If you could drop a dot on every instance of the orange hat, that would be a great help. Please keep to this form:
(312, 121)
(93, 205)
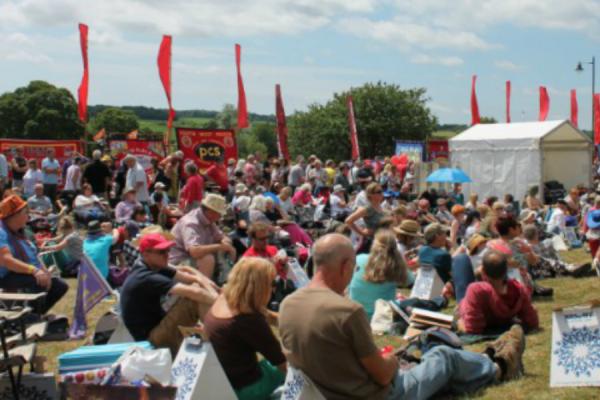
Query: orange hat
(11, 205)
(457, 209)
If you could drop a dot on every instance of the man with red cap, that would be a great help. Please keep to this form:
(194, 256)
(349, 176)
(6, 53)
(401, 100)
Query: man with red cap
(20, 269)
(150, 280)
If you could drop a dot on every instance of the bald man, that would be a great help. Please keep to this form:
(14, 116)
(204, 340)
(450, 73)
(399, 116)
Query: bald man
(328, 337)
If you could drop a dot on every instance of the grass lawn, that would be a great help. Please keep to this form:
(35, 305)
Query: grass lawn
(534, 385)
(161, 126)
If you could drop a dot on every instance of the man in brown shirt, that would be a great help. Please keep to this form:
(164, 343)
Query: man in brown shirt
(328, 337)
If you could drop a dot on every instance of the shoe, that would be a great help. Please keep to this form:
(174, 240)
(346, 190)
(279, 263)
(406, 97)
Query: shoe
(507, 352)
(596, 266)
(540, 291)
(577, 271)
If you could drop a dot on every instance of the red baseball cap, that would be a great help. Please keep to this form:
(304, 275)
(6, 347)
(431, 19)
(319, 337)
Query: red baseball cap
(154, 241)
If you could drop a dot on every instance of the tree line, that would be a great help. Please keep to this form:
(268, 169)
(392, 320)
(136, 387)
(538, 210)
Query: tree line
(384, 113)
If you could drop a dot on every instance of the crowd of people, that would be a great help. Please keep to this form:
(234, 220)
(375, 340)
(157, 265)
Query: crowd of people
(214, 247)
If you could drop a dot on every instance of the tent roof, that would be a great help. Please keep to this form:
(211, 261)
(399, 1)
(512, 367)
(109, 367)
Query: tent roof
(514, 131)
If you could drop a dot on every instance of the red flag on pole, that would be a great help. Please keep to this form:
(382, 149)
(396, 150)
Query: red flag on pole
(164, 72)
(544, 103)
(353, 133)
(242, 108)
(474, 107)
(282, 131)
(82, 92)
(596, 119)
(574, 109)
(507, 102)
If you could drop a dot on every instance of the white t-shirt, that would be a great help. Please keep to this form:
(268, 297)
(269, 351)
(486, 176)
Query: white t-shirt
(137, 175)
(82, 201)
(361, 200)
(72, 171)
(30, 178)
(336, 209)
(557, 220)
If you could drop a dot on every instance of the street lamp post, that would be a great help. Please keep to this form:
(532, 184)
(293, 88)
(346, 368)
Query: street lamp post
(579, 68)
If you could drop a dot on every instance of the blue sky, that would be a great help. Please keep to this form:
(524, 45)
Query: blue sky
(313, 48)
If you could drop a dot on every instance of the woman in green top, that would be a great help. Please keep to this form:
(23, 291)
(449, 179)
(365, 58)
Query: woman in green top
(378, 274)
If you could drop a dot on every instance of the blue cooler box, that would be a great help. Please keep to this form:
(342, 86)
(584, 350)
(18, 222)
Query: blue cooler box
(92, 357)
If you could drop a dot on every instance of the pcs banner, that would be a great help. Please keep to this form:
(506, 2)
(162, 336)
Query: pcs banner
(207, 146)
(144, 150)
(63, 149)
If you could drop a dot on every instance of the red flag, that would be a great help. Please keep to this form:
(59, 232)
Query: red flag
(101, 134)
(353, 133)
(574, 109)
(164, 71)
(82, 92)
(282, 131)
(242, 108)
(474, 107)
(507, 102)
(596, 118)
(544, 103)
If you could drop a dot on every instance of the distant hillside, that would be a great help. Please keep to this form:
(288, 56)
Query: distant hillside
(160, 114)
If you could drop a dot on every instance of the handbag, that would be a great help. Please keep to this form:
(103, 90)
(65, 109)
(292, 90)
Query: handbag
(117, 276)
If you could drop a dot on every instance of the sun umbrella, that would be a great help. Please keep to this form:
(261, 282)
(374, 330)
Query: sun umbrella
(448, 175)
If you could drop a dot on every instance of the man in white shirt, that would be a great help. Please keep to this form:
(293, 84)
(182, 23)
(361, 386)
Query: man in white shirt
(558, 220)
(339, 208)
(136, 178)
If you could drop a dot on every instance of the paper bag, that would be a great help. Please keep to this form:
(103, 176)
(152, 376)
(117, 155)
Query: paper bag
(575, 358)
(427, 284)
(198, 374)
(298, 386)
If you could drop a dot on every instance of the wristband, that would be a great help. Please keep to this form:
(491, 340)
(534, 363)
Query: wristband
(32, 269)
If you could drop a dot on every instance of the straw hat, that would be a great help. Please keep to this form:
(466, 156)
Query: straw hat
(11, 205)
(475, 241)
(215, 203)
(149, 230)
(408, 227)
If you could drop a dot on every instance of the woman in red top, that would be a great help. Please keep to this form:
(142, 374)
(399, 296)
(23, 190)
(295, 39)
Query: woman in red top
(191, 194)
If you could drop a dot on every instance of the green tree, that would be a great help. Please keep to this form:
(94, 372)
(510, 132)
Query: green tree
(383, 112)
(227, 117)
(487, 120)
(116, 120)
(39, 111)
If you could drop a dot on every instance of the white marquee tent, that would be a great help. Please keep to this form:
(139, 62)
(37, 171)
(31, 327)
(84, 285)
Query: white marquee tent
(511, 158)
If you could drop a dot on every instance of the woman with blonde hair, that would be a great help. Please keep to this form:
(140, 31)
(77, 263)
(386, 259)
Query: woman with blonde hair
(379, 273)
(237, 327)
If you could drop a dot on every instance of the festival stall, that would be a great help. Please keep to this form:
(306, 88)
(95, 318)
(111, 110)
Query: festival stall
(511, 158)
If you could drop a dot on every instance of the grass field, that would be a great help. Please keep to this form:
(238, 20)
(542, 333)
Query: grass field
(534, 385)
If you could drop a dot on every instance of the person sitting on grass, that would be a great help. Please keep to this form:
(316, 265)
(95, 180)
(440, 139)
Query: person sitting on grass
(496, 302)
(237, 325)
(151, 279)
(70, 242)
(100, 237)
(20, 269)
(124, 209)
(327, 336)
(378, 273)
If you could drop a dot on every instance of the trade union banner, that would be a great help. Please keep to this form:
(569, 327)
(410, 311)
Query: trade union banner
(37, 149)
(144, 150)
(207, 146)
(437, 149)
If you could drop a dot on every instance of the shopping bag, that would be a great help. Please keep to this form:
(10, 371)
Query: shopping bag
(575, 357)
(427, 284)
(298, 386)
(198, 374)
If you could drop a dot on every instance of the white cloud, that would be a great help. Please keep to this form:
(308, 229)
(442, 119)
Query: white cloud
(26, 56)
(446, 61)
(507, 65)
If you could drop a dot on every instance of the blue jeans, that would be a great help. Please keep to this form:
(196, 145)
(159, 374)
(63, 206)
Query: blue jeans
(444, 368)
(462, 275)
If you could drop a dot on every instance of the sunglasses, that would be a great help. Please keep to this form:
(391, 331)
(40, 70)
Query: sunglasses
(378, 192)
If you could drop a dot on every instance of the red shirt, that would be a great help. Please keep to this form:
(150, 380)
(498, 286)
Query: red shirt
(218, 174)
(193, 189)
(484, 308)
(269, 253)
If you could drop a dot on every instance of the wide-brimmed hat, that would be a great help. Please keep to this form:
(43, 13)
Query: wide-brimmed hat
(432, 230)
(475, 241)
(593, 219)
(215, 203)
(240, 188)
(338, 188)
(11, 205)
(409, 227)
